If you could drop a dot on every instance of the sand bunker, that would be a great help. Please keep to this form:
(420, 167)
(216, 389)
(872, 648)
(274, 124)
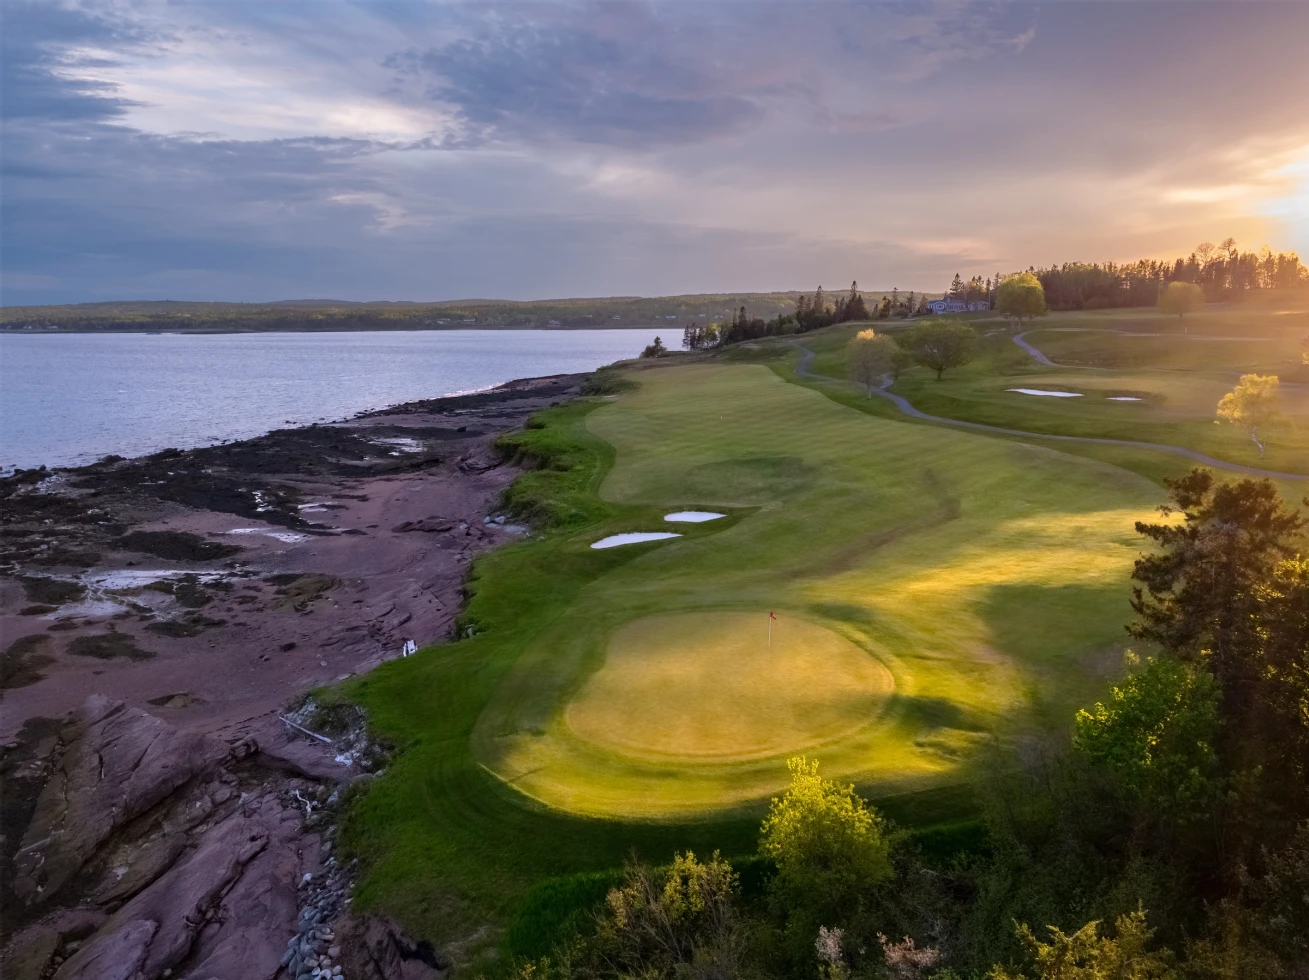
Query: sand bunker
(633, 537)
(1050, 394)
(692, 516)
(709, 687)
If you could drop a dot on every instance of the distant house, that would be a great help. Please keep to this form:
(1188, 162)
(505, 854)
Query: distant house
(948, 305)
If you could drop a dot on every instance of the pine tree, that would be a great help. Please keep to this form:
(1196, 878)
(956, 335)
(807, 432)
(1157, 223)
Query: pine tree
(820, 305)
(957, 287)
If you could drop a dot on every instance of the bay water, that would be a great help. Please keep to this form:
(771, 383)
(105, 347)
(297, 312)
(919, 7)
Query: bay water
(68, 399)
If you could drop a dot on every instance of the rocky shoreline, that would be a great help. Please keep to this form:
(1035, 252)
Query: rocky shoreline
(163, 814)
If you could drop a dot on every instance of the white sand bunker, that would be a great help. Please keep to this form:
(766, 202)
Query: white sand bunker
(633, 537)
(1049, 394)
(1122, 398)
(692, 516)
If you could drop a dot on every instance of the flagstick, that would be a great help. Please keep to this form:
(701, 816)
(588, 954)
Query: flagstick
(770, 629)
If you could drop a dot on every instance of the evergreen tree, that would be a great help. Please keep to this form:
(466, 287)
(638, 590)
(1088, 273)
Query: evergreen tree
(855, 307)
(957, 289)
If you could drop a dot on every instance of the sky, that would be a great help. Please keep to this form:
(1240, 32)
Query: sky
(257, 151)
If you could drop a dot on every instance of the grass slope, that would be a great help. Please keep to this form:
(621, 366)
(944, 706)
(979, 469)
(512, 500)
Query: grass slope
(1179, 378)
(986, 577)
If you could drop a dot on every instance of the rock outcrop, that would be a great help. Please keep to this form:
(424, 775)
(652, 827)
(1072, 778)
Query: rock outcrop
(114, 764)
(143, 851)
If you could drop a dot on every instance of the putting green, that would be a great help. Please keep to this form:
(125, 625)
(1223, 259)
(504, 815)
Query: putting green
(711, 686)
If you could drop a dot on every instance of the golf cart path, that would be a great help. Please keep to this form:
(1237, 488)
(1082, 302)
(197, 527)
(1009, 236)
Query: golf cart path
(807, 357)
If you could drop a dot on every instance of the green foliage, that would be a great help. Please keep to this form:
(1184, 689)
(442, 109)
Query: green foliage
(680, 921)
(557, 910)
(1020, 297)
(826, 841)
(655, 349)
(1181, 298)
(1156, 735)
(1086, 955)
(1200, 590)
(1253, 402)
(871, 357)
(940, 344)
(552, 493)
(607, 381)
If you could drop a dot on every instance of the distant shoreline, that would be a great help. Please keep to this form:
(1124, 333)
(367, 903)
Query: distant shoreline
(6, 329)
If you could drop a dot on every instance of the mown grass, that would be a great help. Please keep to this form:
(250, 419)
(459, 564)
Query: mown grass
(1180, 378)
(988, 577)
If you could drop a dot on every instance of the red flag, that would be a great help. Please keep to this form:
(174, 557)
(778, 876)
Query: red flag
(772, 615)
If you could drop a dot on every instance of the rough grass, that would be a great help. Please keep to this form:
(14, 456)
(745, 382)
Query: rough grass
(987, 577)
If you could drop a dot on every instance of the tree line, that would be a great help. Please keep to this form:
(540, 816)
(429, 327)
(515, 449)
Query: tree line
(1166, 837)
(812, 312)
(1223, 272)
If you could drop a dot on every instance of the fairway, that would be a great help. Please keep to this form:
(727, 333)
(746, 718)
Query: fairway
(1178, 370)
(719, 687)
(934, 590)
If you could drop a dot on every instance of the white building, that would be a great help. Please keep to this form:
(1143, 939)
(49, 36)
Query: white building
(948, 305)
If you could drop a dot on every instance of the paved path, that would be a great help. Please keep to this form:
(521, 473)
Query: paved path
(802, 368)
(1036, 354)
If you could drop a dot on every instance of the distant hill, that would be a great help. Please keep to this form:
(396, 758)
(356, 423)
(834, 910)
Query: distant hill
(327, 314)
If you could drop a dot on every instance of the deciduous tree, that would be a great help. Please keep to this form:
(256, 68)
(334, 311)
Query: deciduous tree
(1181, 298)
(1252, 403)
(827, 843)
(1155, 734)
(940, 344)
(1020, 297)
(870, 357)
(1086, 955)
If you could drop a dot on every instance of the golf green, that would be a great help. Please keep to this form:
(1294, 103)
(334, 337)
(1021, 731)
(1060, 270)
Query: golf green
(938, 590)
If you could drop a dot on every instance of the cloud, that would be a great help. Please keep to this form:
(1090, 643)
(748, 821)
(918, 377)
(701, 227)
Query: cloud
(43, 46)
(438, 150)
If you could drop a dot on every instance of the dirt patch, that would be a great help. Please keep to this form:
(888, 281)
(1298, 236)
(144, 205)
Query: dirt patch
(177, 546)
(108, 646)
(22, 660)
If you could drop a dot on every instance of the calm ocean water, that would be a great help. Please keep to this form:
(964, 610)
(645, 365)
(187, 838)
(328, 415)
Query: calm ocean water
(72, 398)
